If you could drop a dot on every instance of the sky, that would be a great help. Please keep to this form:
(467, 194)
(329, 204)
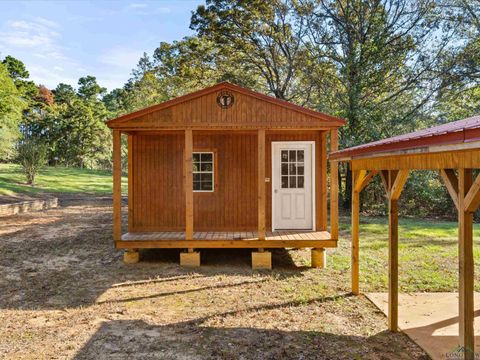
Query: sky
(61, 41)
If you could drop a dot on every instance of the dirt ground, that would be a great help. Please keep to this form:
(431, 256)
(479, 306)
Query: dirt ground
(66, 294)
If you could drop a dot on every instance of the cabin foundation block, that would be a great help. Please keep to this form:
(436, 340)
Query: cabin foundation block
(131, 256)
(190, 259)
(319, 258)
(261, 260)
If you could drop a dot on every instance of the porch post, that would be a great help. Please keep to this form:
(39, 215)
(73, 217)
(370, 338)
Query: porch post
(466, 268)
(396, 182)
(261, 184)
(355, 232)
(188, 184)
(334, 187)
(117, 185)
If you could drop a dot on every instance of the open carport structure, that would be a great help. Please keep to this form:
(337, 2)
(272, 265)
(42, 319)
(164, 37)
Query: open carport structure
(454, 150)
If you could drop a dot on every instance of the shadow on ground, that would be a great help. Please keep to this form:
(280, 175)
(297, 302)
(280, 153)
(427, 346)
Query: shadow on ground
(134, 339)
(65, 258)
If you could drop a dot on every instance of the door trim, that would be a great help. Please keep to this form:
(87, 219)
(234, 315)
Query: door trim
(313, 180)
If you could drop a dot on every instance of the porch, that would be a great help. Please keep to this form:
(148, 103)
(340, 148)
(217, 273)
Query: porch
(230, 239)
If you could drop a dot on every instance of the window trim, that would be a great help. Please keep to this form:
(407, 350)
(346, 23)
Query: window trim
(213, 172)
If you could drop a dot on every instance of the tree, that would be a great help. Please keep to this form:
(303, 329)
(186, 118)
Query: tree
(384, 55)
(89, 88)
(32, 156)
(64, 93)
(460, 96)
(264, 37)
(11, 106)
(19, 74)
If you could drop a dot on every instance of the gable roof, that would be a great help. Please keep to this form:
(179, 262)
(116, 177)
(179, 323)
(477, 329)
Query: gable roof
(129, 120)
(456, 132)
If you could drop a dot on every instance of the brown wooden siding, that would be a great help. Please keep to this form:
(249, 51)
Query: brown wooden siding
(246, 112)
(156, 181)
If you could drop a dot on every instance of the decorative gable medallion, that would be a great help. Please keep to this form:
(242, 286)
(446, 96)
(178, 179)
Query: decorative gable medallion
(225, 99)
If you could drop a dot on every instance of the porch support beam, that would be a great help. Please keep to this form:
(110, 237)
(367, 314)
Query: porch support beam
(472, 199)
(188, 184)
(357, 174)
(396, 181)
(334, 187)
(261, 184)
(117, 185)
(451, 183)
(466, 269)
(360, 180)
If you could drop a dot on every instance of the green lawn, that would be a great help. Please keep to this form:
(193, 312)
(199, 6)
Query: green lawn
(56, 179)
(428, 254)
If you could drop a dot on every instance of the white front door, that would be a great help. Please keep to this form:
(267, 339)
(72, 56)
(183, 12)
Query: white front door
(292, 185)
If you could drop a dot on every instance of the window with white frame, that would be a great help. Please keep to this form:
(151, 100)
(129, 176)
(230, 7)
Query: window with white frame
(203, 171)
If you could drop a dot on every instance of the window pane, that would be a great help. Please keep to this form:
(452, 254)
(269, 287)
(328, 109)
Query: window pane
(196, 157)
(284, 156)
(300, 154)
(300, 182)
(196, 185)
(206, 167)
(293, 169)
(300, 169)
(207, 157)
(284, 182)
(293, 155)
(293, 182)
(284, 169)
(196, 177)
(206, 186)
(196, 167)
(206, 178)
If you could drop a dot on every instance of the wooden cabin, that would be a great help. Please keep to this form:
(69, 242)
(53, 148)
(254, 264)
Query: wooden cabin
(226, 167)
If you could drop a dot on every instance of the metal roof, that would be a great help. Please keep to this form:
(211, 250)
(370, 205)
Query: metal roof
(456, 132)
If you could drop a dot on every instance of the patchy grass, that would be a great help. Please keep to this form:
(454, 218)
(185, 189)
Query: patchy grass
(428, 254)
(56, 180)
(65, 293)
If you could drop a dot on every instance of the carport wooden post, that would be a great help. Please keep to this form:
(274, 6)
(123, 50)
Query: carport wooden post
(360, 180)
(394, 181)
(334, 187)
(261, 183)
(188, 184)
(355, 232)
(466, 269)
(117, 185)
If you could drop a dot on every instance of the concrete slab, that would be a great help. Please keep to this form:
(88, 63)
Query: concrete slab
(431, 320)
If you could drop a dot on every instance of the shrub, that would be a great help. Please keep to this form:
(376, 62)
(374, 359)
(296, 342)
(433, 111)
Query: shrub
(32, 155)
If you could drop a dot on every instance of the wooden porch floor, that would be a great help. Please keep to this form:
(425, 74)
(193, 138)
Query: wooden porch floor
(227, 239)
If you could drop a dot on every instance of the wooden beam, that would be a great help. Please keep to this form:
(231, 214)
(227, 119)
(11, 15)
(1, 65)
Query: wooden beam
(394, 181)
(188, 184)
(451, 182)
(366, 180)
(392, 264)
(466, 265)
(356, 176)
(261, 184)
(472, 199)
(398, 184)
(117, 185)
(385, 180)
(130, 183)
(334, 186)
(322, 208)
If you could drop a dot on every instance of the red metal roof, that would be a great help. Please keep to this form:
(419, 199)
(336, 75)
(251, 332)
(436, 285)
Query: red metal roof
(461, 131)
